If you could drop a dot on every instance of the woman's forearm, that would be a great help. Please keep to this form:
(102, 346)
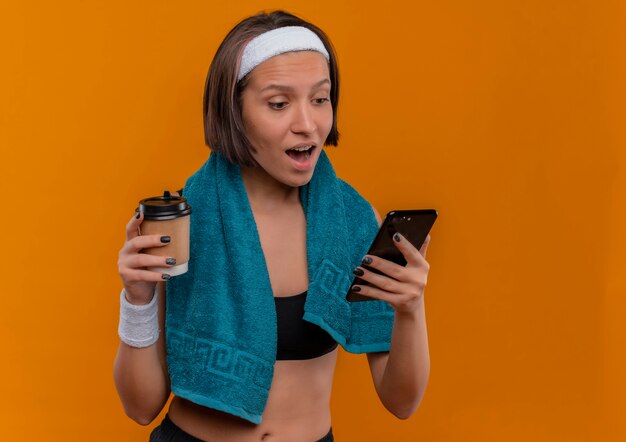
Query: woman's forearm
(140, 381)
(408, 367)
(140, 374)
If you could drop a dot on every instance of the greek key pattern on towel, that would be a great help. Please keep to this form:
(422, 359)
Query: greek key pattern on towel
(329, 278)
(221, 359)
(371, 309)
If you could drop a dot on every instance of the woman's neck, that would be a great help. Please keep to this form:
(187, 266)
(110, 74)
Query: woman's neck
(265, 193)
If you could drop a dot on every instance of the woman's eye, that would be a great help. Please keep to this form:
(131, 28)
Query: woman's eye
(321, 100)
(278, 105)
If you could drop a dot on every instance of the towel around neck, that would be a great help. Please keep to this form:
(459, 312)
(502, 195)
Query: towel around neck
(221, 318)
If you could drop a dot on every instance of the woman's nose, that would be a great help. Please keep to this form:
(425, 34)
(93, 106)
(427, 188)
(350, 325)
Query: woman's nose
(303, 119)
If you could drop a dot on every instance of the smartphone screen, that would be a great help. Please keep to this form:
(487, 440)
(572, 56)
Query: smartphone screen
(414, 225)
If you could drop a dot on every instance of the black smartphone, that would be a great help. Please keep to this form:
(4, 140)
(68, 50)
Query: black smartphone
(414, 225)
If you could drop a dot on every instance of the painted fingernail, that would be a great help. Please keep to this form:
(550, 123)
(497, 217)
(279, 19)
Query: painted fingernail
(165, 239)
(170, 261)
(358, 272)
(367, 260)
(165, 276)
(356, 288)
(397, 237)
(138, 215)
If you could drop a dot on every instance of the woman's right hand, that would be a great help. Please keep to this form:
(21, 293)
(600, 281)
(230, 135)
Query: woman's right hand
(139, 283)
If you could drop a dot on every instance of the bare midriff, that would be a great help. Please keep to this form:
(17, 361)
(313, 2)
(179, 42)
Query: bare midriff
(298, 407)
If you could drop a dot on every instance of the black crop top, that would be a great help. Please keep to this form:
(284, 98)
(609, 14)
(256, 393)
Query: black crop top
(297, 338)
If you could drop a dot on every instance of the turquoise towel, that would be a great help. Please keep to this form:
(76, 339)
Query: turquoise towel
(221, 316)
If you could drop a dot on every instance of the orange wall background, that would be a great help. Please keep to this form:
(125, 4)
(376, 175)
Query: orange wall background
(507, 117)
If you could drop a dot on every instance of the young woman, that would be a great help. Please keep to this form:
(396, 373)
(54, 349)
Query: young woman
(269, 217)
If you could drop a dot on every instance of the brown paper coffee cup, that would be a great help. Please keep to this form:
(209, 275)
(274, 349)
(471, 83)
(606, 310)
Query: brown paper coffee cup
(167, 215)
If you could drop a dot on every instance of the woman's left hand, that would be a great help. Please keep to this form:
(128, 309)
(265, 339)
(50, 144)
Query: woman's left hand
(402, 287)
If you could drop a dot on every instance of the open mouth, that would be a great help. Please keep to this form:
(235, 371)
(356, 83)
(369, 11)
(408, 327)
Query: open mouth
(300, 154)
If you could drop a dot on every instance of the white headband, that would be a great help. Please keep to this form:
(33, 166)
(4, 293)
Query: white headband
(279, 41)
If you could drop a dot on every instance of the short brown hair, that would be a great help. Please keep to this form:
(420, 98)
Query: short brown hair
(223, 123)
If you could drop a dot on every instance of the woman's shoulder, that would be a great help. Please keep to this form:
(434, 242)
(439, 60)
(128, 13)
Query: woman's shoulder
(352, 197)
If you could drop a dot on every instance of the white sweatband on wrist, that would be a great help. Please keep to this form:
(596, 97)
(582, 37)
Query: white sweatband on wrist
(139, 324)
(279, 41)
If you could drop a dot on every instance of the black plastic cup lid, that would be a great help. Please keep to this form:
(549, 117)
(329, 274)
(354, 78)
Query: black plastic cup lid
(164, 207)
